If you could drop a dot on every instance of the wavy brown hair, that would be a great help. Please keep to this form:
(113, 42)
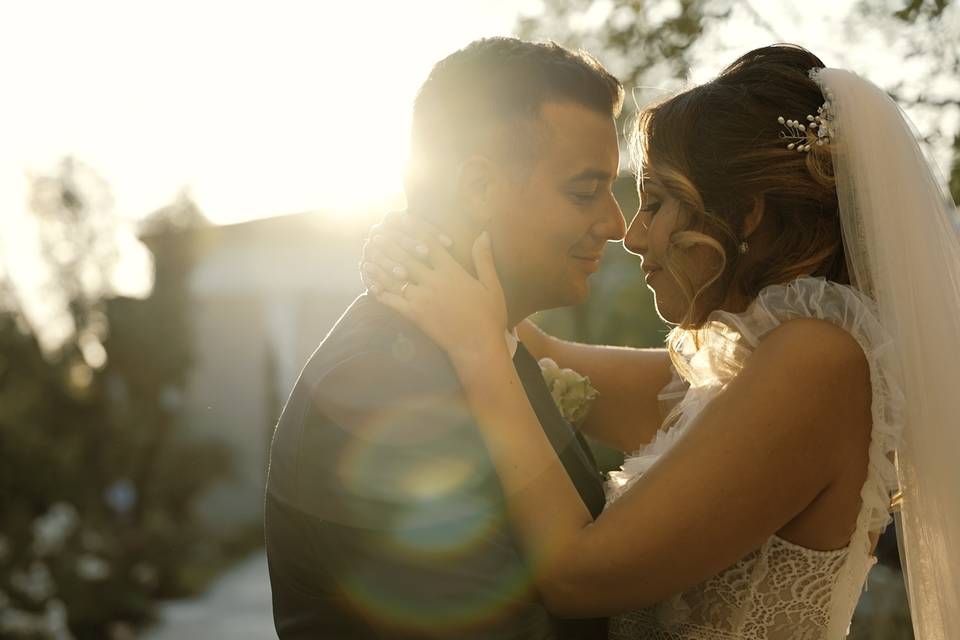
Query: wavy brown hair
(717, 148)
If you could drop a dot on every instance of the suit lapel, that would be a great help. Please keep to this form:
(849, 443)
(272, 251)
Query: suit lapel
(570, 445)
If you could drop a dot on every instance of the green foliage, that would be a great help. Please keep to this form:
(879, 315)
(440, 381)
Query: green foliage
(638, 40)
(97, 478)
(916, 8)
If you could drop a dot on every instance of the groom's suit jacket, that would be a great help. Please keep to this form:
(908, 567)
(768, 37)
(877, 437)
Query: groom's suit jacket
(384, 515)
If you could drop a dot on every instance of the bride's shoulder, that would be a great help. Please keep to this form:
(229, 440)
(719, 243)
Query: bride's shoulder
(811, 343)
(815, 362)
(811, 298)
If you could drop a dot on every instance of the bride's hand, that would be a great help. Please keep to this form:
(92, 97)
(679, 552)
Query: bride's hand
(377, 271)
(466, 316)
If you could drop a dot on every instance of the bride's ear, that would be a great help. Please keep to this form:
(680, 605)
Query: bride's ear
(754, 218)
(477, 182)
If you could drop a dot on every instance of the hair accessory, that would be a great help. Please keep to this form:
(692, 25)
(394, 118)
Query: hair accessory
(743, 248)
(799, 133)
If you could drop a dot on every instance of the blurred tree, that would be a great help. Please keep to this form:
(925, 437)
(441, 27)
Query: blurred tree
(96, 479)
(928, 31)
(640, 41)
(78, 236)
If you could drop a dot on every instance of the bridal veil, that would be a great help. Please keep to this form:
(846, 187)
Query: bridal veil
(902, 238)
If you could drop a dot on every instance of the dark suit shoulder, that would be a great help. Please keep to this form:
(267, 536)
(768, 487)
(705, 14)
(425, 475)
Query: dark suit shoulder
(377, 403)
(375, 342)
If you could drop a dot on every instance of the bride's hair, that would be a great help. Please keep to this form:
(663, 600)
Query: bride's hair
(717, 148)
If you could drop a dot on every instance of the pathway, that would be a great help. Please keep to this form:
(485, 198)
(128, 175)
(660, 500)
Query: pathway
(237, 606)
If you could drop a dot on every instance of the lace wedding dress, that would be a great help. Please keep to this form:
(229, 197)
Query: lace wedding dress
(781, 591)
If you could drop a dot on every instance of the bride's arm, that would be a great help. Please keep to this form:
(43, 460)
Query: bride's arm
(754, 459)
(767, 445)
(626, 414)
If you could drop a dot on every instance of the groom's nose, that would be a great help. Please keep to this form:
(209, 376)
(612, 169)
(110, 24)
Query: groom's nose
(611, 225)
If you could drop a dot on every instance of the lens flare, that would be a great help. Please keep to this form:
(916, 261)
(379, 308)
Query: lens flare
(443, 513)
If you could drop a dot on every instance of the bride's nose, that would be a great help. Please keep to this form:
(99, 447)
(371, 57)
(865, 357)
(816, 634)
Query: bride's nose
(635, 240)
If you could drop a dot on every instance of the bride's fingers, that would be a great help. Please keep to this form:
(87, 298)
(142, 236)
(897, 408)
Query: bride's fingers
(440, 256)
(377, 255)
(373, 252)
(421, 229)
(411, 230)
(409, 243)
(398, 303)
(400, 262)
(378, 279)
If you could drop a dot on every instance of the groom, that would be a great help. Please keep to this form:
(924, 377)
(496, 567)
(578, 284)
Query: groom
(384, 515)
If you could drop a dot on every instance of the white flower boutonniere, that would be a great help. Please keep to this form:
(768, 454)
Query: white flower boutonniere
(572, 392)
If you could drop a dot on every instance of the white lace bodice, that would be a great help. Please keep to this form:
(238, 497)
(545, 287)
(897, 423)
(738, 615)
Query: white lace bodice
(781, 591)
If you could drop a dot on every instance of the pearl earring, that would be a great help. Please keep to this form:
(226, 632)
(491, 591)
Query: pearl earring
(744, 247)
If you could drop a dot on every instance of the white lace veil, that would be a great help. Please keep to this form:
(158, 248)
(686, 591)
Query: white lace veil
(902, 239)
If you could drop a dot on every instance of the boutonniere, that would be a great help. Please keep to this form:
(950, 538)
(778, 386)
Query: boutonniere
(572, 392)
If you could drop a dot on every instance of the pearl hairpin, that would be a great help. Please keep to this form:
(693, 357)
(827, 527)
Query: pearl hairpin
(799, 132)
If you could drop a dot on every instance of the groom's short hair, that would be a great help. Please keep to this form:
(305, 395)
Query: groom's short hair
(487, 97)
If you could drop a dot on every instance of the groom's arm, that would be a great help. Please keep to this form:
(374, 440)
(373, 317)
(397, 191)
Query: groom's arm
(405, 497)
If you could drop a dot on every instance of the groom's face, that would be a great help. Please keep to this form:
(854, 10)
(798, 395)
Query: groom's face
(550, 228)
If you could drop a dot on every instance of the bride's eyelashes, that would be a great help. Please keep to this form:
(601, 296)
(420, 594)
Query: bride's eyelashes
(651, 207)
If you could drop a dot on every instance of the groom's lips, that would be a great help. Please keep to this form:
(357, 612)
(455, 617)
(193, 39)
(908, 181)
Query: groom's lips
(591, 262)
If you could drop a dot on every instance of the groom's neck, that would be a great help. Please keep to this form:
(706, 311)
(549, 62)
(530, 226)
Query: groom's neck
(519, 306)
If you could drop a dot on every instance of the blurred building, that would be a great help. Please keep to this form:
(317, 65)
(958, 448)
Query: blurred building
(260, 297)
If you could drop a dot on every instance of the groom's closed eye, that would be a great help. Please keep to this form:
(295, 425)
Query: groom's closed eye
(585, 196)
(586, 186)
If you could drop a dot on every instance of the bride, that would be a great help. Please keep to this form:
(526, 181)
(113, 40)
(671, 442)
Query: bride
(793, 233)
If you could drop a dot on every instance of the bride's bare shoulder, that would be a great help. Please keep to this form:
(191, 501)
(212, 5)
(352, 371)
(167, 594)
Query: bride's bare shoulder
(822, 358)
(806, 342)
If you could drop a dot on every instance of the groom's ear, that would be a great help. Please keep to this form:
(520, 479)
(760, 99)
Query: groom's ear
(477, 183)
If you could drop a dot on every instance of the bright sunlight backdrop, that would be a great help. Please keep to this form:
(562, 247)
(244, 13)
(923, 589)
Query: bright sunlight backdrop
(261, 108)
(264, 108)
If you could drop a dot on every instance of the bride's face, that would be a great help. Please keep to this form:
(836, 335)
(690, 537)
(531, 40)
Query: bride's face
(661, 214)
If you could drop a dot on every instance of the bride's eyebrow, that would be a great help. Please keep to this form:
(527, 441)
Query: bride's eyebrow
(650, 184)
